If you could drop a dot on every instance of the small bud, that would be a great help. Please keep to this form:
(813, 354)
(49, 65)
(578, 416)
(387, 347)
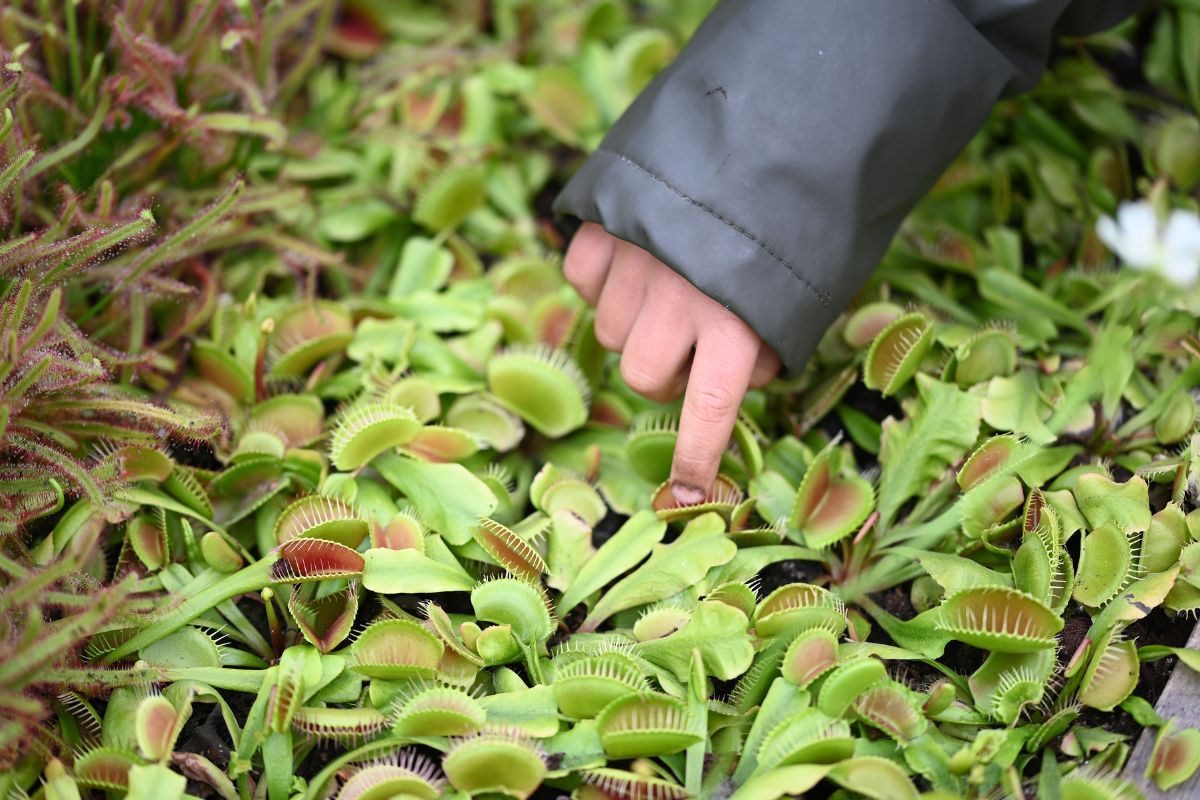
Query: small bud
(941, 695)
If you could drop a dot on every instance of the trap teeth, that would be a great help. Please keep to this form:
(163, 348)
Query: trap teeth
(545, 387)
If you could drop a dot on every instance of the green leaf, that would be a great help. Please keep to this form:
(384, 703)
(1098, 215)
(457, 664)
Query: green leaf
(424, 265)
(670, 569)
(1103, 501)
(155, 782)
(531, 711)
(751, 561)
(1186, 655)
(1135, 602)
(1015, 404)
(448, 497)
(411, 572)
(1114, 349)
(1140, 709)
(559, 101)
(717, 630)
(1013, 292)
(940, 425)
(864, 430)
(782, 782)
(254, 125)
(955, 572)
(632, 542)
(576, 748)
(1189, 53)
(921, 634)
(387, 340)
(447, 199)
(354, 222)
(774, 497)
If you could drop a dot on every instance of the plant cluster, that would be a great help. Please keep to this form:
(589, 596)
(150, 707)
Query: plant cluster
(314, 481)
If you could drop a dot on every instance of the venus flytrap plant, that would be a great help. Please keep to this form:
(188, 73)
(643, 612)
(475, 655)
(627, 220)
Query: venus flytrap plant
(296, 561)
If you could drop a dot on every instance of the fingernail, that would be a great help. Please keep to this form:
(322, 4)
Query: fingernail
(685, 494)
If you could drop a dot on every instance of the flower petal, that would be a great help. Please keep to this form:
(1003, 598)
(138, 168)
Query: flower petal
(1181, 248)
(1139, 244)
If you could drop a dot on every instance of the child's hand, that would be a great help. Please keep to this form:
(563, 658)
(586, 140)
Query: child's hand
(671, 336)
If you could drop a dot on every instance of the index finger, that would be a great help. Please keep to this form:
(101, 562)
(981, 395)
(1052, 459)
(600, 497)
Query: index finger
(718, 381)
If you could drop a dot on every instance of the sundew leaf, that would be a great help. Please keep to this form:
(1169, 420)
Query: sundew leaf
(255, 125)
(670, 569)
(448, 497)
(411, 572)
(632, 542)
(940, 425)
(719, 632)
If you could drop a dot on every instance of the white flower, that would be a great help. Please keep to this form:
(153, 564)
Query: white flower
(1140, 240)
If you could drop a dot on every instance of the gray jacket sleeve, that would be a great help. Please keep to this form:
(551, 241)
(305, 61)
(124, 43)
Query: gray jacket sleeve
(772, 163)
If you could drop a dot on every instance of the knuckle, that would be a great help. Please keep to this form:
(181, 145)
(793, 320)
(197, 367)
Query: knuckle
(573, 266)
(606, 336)
(638, 375)
(730, 324)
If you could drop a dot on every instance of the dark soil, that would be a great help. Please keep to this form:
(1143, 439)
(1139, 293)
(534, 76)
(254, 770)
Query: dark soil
(1159, 629)
(784, 572)
(869, 402)
(205, 733)
(607, 527)
(193, 454)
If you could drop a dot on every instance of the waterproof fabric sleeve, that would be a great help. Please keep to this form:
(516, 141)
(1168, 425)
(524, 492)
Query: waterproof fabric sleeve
(772, 163)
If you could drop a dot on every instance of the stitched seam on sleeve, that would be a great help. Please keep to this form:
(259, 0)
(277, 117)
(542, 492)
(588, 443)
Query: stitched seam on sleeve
(820, 295)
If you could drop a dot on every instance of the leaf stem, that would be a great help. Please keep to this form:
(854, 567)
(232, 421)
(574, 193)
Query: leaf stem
(250, 579)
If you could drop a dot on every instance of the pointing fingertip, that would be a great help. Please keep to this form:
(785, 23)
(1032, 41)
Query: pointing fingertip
(686, 494)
